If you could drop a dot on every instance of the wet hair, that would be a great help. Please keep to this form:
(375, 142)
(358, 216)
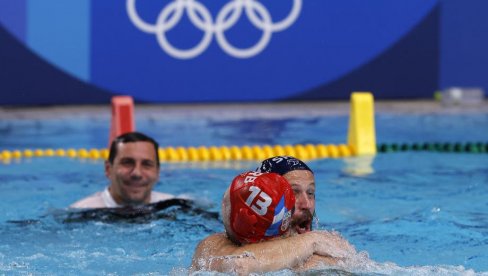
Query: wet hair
(282, 165)
(131, 137)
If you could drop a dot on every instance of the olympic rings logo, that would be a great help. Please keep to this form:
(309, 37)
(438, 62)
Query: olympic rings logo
(201, 18)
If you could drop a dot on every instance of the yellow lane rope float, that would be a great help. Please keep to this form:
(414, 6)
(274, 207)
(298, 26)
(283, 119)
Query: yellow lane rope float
(202, 153)
(249, 153)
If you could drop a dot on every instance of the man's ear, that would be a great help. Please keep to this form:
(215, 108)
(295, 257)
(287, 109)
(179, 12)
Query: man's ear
(108, 168)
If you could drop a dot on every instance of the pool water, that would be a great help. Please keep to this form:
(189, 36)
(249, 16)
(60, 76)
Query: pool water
(409, 213)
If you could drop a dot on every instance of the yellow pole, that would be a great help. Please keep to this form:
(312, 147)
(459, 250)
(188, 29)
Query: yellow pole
(361, 135)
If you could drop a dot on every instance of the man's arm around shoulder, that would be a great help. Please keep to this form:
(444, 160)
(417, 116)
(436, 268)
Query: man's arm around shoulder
(218, 253)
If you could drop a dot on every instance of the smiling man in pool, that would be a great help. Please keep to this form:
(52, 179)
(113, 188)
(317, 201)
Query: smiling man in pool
(133, 170)
(299, 249)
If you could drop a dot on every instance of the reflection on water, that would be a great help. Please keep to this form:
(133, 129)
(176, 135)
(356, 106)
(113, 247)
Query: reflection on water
(358, 166)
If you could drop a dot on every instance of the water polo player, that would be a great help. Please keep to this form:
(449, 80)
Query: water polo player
(302, 181)
(257, 206)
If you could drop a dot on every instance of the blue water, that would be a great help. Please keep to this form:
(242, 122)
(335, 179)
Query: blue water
(92, 131)
(417, 213)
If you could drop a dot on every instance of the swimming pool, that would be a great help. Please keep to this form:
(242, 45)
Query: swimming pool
(415, 212)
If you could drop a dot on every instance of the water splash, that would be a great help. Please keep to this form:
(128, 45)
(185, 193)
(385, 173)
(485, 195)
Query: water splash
(360, 264)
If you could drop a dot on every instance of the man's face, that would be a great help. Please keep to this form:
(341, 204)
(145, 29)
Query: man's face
(133, 173)
(303, 185)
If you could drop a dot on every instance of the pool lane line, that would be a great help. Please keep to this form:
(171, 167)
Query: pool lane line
(251, 153)
(201, 153)
(458, 147)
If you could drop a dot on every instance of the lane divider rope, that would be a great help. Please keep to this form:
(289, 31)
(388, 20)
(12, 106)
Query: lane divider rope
(236, 153)
(467, 147)
(202, 153)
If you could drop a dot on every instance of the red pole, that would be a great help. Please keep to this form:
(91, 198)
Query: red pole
(122, 116)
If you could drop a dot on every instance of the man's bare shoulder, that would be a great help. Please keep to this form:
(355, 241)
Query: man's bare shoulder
(217, 244)
(209, 252)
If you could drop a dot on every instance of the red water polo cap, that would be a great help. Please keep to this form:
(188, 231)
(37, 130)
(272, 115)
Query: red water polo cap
(261, 206)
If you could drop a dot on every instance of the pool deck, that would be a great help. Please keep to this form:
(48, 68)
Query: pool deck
(242, 110)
